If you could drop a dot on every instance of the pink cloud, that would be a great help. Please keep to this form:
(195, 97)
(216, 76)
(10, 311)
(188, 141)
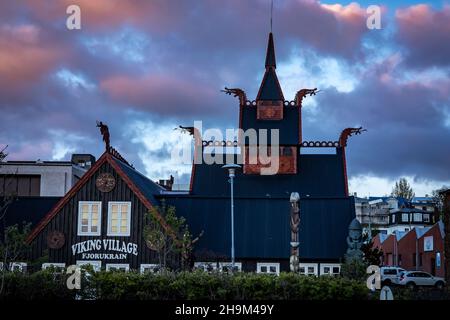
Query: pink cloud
(425, 32)
(162, 94)
(24, 58)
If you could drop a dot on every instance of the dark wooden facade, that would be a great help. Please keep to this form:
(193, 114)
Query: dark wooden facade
(65, 220)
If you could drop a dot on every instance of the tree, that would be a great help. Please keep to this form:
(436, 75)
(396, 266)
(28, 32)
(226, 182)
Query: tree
(371, 255)
(438, 199)
(164, 242)
(13, 247)
(402, 189)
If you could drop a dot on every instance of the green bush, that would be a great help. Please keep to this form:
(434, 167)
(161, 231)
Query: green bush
(185, 285)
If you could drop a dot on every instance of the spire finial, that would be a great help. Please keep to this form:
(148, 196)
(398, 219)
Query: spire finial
(271, 16)
(270, 55)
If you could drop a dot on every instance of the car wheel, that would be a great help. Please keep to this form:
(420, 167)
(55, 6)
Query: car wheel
(439, 285)
(411, 285)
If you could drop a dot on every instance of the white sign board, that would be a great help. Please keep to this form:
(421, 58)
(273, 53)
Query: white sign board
(428, 244)
(100, 249)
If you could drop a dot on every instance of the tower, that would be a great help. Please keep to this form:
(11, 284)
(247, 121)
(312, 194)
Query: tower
(271, 112)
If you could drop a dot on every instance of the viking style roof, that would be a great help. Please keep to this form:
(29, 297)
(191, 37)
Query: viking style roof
(319, 175)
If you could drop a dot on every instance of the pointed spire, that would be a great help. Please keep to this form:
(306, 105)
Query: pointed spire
(270, 55)
(270, 87)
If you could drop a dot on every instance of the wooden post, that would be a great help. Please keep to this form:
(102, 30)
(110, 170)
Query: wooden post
(294, 224)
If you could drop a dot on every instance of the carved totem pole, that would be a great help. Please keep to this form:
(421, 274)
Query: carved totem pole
(294, 224)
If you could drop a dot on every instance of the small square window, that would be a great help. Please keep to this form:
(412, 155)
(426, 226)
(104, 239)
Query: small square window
(119, 218)
(89, 215)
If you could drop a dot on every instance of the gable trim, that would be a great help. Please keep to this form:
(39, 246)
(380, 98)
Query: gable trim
(106, 157)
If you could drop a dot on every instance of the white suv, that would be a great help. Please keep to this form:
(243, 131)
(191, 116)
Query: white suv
(412, 279)
(390, 275)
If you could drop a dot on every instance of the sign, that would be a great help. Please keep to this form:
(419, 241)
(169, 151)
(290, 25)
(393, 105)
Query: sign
(120, 249)
(428, 243)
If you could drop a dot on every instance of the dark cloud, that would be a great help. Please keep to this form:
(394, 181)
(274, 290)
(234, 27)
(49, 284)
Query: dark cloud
(407, 127)
(165, 62)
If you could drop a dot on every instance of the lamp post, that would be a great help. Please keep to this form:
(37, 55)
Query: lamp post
(231, 173)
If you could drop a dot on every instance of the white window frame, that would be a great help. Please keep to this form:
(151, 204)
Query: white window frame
(124, 266)
(405, 215)
(306, 265)
(149, 267)
(426, 217)
(259, 265)
(96, 264)
(99, 227)
(119, 234)
(22, 266)
(51, 264)
(419, 217)
(237, 265)
(331, 266)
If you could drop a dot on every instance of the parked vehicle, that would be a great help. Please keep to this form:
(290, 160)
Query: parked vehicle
(413, 279)
(390, 275)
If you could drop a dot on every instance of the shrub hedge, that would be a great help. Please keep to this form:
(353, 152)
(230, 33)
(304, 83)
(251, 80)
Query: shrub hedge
(47, 285)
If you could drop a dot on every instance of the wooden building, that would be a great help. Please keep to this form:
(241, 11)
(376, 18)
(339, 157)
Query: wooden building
(85, 225)
(100, 220)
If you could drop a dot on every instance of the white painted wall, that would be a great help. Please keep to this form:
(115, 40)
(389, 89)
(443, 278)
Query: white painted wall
(56, 179)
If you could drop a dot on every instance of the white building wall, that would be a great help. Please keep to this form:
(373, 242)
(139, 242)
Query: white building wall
(56, 179)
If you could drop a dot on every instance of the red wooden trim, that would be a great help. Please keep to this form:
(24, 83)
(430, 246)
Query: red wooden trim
(344, 162)
(300, 125)
(61, 203)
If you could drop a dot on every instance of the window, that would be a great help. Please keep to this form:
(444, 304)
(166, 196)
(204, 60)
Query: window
(405, 217)
(330, 269)
(417, 217)
(393, 218)
(149, 268)
(119, 218)
(426, 217)
(117, 267)
(20, 185)
(56, 266)
(206, 266)
(89, 218)
(226, 266)
(270, 268)
(309, 269)
(97, 265)
(18, 266)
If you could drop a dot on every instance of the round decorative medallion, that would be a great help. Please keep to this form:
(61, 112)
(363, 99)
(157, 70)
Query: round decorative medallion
(105, 182)
(55, 239)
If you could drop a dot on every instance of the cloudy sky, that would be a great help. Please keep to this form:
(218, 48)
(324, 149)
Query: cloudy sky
(145, 67)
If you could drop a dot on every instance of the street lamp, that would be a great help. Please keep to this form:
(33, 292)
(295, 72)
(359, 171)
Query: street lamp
(231, 173)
